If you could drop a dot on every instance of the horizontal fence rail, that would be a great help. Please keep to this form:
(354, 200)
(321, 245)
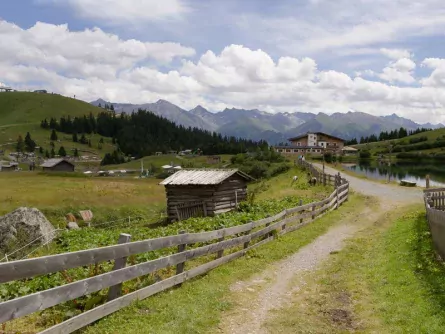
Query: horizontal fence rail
(435, 212)
(238, 240)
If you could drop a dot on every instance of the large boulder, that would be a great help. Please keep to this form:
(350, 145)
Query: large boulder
(22, 226)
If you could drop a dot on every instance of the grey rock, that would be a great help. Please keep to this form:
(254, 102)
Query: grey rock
(23, 226)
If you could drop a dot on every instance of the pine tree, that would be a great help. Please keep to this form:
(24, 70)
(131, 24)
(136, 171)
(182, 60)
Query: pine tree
(46, 154)
(101, 140)
(83, 139)
(62, 151)
(100, 105)
(76, 153)
(53, 136)
(53, 153)
(75, 137)
(41, 150)
(20, 144)
(112, 107)
(89, 142)
(30, 144)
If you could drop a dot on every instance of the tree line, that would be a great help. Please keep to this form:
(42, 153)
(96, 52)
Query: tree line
(143, 133)
(386, 135)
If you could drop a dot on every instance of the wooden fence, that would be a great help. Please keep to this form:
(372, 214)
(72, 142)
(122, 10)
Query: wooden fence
(435, 213)
(234, 241)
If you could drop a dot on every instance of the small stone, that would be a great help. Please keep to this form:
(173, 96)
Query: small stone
(72, 226)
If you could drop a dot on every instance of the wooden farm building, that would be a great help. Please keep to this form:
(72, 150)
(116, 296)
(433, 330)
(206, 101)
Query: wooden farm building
(206, 192)
(57, 165)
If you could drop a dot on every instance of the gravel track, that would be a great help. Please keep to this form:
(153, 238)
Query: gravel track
(271, 288)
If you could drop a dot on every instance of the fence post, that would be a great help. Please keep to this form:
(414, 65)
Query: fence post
(313, 209)
(336, 198)
(283, 227)
(301, 203)
(115, 291)
(324, 179)
(220, 253)
(267, 235)
(181, 248)
(427, 179)
(246, 244)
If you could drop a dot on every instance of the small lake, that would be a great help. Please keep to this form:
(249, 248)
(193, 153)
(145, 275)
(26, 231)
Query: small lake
(414, 171)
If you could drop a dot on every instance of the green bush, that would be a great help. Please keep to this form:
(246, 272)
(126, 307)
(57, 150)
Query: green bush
(364, 155)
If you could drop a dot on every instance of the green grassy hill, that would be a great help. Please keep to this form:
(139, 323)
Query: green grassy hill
(21, 112)
(430, 143)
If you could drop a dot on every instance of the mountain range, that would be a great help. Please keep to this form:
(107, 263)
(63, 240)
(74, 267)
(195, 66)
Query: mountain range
(272, 127)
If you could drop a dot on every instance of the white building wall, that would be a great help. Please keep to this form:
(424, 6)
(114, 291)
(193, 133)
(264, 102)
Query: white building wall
(311, 139)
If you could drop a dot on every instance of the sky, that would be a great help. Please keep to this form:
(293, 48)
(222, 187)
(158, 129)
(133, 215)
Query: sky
(374, 56)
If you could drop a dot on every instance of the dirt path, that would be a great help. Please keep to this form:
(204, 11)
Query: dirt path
(272, 288)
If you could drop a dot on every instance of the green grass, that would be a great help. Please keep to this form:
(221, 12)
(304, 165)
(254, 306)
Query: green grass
(431, 135)
(21, 112)
(197, 306)
(108, 198)
(387, 280)
(167, 159)
(31, 108)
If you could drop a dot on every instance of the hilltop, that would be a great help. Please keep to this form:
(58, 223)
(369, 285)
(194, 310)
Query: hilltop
(431, 143)
(22, 112)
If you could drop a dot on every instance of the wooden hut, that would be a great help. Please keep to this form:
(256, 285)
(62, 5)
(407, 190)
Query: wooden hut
(57, 165)
(205, 192)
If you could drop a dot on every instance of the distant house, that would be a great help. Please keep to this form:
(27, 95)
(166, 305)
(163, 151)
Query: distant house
(41, 91)
(348, 150)
(57, 165)
(312, 142)
(207, 192)
(8, 166)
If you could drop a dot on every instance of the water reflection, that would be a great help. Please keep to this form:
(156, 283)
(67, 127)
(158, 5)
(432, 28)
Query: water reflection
(413, 171)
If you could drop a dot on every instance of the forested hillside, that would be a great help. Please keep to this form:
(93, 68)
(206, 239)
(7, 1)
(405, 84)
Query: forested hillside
(143, 133)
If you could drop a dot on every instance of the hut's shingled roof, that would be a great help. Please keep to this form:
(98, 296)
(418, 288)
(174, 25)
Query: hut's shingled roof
(202, 176)
(53, 162)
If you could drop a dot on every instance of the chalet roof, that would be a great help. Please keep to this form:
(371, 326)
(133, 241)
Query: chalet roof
(203, 176)
(349, 148)
(53, 162)
(317, 133)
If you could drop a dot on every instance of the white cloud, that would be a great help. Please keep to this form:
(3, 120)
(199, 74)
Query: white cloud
(125, 11)
(92, 64)
(395, 53)
(399, 71)
(87, 53)
(341, 27)
(240, 67)
(437, 77)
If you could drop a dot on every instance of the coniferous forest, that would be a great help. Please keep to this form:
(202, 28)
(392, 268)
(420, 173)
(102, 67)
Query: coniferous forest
(143, 133)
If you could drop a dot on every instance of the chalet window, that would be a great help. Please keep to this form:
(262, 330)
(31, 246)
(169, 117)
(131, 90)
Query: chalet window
(280, 150)
(298, 144)
(295, 151)
(287, 151)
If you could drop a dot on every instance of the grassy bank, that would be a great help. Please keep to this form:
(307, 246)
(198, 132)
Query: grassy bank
(387, 280)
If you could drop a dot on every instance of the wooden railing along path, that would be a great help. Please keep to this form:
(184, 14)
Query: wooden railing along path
(238, 240)
(435, 212)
